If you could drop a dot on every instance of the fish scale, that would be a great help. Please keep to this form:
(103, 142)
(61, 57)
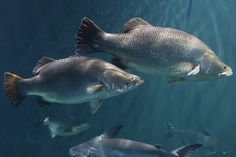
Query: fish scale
(154, 50)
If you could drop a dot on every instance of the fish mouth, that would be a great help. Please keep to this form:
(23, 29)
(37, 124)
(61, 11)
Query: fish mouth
(74, 153)
(226, 73)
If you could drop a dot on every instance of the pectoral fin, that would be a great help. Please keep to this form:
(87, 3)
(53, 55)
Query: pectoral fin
(194, 71)
(95, 105)
(94, 88)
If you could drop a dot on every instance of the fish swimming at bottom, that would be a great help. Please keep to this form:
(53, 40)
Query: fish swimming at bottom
(208, 141)
(107, 145)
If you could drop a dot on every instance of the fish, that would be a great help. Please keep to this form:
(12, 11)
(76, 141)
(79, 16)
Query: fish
(72, 80)
(153, 50)
(209, 142)
(109, 145)
(58, 128)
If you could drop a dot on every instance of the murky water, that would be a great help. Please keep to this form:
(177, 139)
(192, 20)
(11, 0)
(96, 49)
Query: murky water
(31, 29)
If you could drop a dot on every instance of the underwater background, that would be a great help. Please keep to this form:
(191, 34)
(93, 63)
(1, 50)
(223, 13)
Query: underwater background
(30, 29)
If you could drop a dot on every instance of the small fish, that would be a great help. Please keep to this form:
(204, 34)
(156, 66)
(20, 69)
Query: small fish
(154, 50)
(72, 80)
(58, 128)
(208, 141)
(108, 145)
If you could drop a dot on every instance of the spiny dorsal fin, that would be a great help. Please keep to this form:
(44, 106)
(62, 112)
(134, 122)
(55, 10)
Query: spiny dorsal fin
(41, 62)
(158, 146)
(112, 132)
(206, 132)
(134, 22)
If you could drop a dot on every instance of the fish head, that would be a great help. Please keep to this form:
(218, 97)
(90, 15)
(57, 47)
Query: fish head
(223, 149)
(121, 81)
(212, 67)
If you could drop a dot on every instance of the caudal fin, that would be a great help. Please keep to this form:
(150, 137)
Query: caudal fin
(186, 150)
(86, 35)
(10, 88)
(170, 128)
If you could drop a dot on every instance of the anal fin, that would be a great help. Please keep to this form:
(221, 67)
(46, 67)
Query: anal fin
(95, 104)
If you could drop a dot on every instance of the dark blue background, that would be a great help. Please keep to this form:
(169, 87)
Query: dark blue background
(30, 29)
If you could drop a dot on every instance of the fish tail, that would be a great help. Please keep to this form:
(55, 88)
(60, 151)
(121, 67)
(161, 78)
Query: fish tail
(171, 129)
(11, 89)
(87, 34)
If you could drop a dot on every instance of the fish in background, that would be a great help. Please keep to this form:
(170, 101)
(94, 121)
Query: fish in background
(208, 141)
(109, 145)
(71, 80)
(58, 128)
(160, 51)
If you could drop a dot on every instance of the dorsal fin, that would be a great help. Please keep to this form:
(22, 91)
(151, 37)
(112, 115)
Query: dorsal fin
(206, 132)
(41, 62)
(158, 146)
(112, 132)
(134, 22)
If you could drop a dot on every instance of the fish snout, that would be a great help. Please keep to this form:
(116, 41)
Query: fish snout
(75, 153)
(228, 72)
(135, 80)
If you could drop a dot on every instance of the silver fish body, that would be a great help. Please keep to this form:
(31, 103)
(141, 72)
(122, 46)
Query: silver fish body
(75, 80)
(208, 141)
(108, 145)
(154, 50)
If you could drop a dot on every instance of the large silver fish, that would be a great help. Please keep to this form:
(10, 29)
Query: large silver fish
(154, 50)
(107, 145)
(208, 141)
(72, 80)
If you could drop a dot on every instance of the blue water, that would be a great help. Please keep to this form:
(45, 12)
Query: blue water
(30, 29)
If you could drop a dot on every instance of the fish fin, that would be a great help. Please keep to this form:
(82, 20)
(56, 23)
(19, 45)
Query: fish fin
(53, 134)
(112, 132)
(170, 128)
(134, 22)
(194, 71)
(211, 153)
(42, 103)
(206, 132)
(94, 88)
(41, 62)
(117, 62)
(95, 104)
(84, 37)
(186, 150)
(10, 87)
(174, 80)
(158, 146)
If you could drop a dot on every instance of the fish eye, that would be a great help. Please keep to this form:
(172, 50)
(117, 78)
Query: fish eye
(225, 67)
